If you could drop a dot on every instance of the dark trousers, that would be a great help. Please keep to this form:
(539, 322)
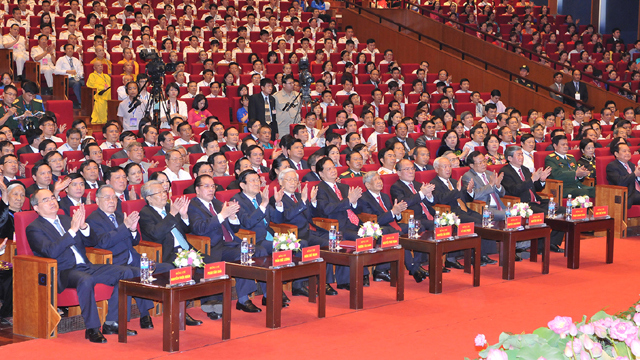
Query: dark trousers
(76, 86)
(145, 305)
(556, 236)
(83, 278)
(244, 287)
(341, 272)
(6, 293)
(267, 247)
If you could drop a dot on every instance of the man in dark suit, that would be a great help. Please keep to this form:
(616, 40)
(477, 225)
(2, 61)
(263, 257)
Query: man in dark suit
(450, 192)
(112, 230)
(167, 224)
(623, 172)
(9, 168)
(167, 141)
(421, 157)
(444, 107)
(200, 168)
(42, 179)
(94, 152)
(90, 170)
(210, 217)
(520, 182)
(402, 132)
(255, 154)
(312, 175)
(258, 107)
(341, 118)
(75, 194)
(576, 90)
(374, 78)
(295, 150)
(62, 238)
(34, 138)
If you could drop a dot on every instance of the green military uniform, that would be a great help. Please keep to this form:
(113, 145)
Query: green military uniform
(34, 106)
(565, 170)
(350, 174)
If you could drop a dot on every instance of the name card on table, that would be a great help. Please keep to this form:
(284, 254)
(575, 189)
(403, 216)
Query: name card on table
(579, 214)
(465, 229)
(311, 253)
(181, 275)
(281, 258)
(600, 211)
(443, 232)
(513, 222)
(364, 244)
(214, 270)
(390, 240)
(536, 219)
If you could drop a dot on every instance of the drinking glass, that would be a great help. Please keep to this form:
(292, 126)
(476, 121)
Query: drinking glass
(251, 251)
(152, 268)
(338, 240)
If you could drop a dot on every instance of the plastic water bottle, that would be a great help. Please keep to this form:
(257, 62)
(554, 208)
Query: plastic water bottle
(569, 207)
(486, 216)
(507, 211)
(144, 268)
(412, 227)
(552, 208)
(244, 252)
(436, 220)
(332, 238)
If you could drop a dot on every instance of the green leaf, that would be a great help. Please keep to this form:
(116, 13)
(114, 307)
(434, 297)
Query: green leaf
(536, 351)
(599, 316)
(546, 333)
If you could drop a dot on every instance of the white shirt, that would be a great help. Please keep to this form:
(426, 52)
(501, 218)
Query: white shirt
(180, 141)
(66, 147)
(64, 63)
(182, 175)
(19, 47)
(107, 145)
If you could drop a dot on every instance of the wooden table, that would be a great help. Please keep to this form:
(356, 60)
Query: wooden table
(173, 299)
(508, 239)
(573, 228)
(274, 277)
(436, 249)
(356, 263)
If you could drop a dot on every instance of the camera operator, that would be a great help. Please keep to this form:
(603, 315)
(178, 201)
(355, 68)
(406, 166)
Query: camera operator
(131, 109)
(287, 105)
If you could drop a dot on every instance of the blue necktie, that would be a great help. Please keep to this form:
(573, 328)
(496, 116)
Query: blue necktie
(112, 217)
(178, 235)
(268, 237)
(76, 253)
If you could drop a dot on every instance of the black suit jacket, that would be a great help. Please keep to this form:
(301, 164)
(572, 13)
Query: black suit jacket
(401, 192)
(87, 186)
(330, 206)
(514, 186)
(303, 163)
(369, 82)
(570, 90)
(162, 153)
(33, 188)
(194, 149)
(252, 218)
(439, 112)
(445, 196)
(226, 148)
(370, 205)
(333, 127)
(428, 167)
(310, 176)
(65, 204)
(256, 108)
(192, 190)
(24, 150)
(154, 228)
(297, 214)
(45, 241)
(618, 175)
(120, 241)
(6, 182)
(203, 223)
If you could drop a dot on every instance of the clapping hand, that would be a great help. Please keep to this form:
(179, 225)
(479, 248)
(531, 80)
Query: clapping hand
(304, 193)
(60, 185)
(229, 209)
(398, 207)
(3, 190)
(544, 174)
(581, 171)
(153, 164)
(427, 189)
(131, 221)
(3, 246)
(536, 174)
(132, 194)
(77, 220)
(265, 196)
(354, 194)
(185, 208)
(469, 186)
(177, 205)
(277, 196)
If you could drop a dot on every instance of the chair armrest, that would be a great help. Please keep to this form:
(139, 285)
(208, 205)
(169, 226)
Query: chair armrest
(364, 217)
(200, 243)
(284, 228)
(405, 216)
(153, 250)
(589, 181)
(554, 188)
(544, 195)
(250, 235)
(326, 223)
(99, 256)
(9, 252)
(441, 208)
(87, 94)
(616, 198)
(476, 205)
(508, 198)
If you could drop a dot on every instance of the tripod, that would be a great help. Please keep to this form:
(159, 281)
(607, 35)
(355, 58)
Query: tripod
(157, 101)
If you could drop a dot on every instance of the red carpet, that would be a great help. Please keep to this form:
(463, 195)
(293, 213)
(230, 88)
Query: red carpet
(424, 325)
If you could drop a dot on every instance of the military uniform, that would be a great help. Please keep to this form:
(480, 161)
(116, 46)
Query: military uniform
(34, 106)
(565, 170)
(350, 174)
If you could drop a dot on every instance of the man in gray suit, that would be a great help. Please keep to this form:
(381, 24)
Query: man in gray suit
(558, 86)
(126, 138)
(135, 152)
(486, 185)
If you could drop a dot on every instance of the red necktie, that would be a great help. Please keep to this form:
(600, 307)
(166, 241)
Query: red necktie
(225, 233)
(121, 197)
(293, 197)
(99, 174)
(493, 194)
(424, 207)
(533, 196)
(352, 216)
(393, 224)
(626, 166)
(259, 171)
(299, 166)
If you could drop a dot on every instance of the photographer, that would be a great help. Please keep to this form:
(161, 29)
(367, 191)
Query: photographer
(287, 105)
(131, 110)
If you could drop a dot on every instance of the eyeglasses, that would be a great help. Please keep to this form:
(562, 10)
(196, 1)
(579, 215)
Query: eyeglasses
(47, 200)
(408, 169)
(108, 198)
(208, 186)
(159, 192)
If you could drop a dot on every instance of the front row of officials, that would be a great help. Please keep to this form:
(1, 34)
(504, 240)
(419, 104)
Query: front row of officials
(167, 222)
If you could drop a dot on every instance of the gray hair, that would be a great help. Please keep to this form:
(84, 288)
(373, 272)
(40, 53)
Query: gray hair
(101, 189)
(13, 186)
(438, 161)
(146, 188)
(510, 150)
(132, 145)
(368, 176)
(32, 200)
(286, 171)
(167, 156)
(447, 153)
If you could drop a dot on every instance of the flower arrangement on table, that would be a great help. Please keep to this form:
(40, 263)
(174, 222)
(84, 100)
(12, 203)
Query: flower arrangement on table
(602, 337)
(448, 218)
(521, 209)
(190, 257)
(370, 229)
(581, 202)
(288, 241)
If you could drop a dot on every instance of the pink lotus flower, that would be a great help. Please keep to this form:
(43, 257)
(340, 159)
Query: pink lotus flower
(561, 325)
(586, 341)
(635, 347)
(623, 331)
(585, 356)
(190, 261)
(622, 358)
(480, 340)
(497, 354)
(597, 350)
(636, 318)
(587, 329)
(600, 327)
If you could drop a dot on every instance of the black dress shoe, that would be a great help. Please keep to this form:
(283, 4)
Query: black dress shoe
(214, 316)
(330, 290)
(146, 322)
(381, 276)
(423, 271)
(556, 249)
(445, 270)
(285, 298)
(264, 302)
(248, 306)
(344, 286)
(95, 336)
(518, 257)
(418, 276)
(365, 281)
(453, 264)
(113, 329)
(191, 321)
(303, 291)
(487, 260)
